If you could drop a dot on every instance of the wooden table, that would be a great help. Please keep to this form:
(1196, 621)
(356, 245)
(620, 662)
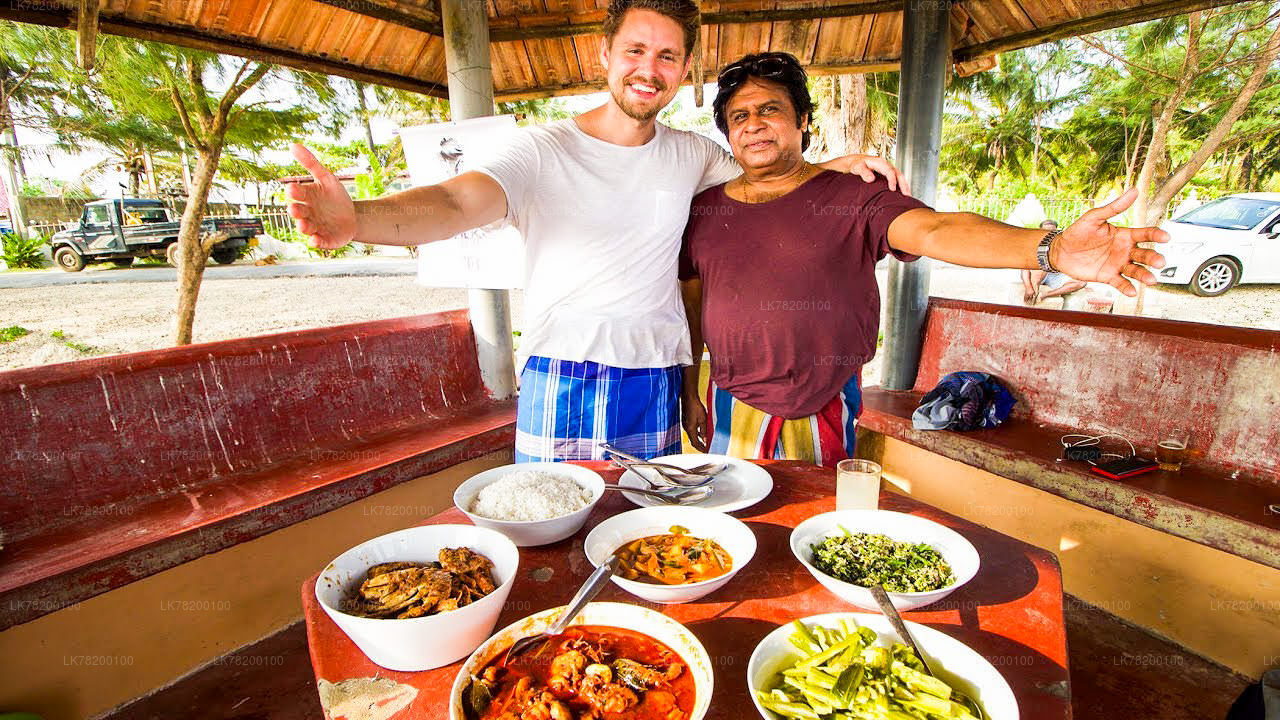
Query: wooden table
(1011, 612)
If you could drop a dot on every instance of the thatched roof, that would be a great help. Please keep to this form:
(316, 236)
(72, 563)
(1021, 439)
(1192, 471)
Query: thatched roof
(550, 47)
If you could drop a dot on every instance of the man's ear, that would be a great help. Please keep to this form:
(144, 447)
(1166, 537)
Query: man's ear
(604, 53)
(804, 124)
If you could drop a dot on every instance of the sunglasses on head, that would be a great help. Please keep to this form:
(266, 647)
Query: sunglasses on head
(768, 66)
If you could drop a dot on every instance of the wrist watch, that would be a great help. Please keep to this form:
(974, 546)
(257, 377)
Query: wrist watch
(1042, 251)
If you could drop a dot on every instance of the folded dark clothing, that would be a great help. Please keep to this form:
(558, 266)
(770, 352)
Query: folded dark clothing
(964, 401)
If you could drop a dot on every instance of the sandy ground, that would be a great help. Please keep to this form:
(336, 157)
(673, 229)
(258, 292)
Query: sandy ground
(115, 318)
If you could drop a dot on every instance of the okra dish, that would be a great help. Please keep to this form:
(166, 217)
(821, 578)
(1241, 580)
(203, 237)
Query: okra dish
(843, 674)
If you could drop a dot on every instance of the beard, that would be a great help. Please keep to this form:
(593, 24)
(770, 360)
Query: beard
(634, 110)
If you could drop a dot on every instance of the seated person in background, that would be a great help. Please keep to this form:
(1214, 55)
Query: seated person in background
(778, 273)
(1058, 284)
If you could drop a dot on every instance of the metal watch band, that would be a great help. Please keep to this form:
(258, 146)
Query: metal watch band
(1042, 251)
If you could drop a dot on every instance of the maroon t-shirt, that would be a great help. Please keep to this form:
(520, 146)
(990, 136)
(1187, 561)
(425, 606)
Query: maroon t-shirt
(790, 306)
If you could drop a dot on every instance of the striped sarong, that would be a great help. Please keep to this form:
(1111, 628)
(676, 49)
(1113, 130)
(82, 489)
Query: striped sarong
(567, 409)
(824, 438)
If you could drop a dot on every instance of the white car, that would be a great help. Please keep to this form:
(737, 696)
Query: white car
(1234, 239)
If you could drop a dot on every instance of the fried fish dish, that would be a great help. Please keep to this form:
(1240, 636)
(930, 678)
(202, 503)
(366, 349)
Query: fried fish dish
(408, 590)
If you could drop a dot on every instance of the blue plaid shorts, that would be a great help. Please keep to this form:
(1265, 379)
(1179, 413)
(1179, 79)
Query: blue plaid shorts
(567, 409)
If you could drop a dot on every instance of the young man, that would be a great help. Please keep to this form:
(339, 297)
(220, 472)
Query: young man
(778, 273)
(601, 200)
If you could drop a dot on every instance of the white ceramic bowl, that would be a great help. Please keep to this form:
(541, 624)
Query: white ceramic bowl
(427, 642)
(532, 532)
(731, 533)
(955, 549)
(619, 615)
(953, 661)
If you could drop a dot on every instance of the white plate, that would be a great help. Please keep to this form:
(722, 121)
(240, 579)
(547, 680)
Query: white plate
(741, 485)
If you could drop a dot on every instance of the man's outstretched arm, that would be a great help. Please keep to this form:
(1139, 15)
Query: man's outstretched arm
(420, 215)
(1090, 249)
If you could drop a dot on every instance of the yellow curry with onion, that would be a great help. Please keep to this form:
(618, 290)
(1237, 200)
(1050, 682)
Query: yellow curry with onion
(676, 558)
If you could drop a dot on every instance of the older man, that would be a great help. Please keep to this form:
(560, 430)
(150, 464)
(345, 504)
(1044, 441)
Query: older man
(778, 273)
(601, 200)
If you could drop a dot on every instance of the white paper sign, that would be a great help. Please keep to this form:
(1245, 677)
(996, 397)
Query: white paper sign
(490, 257)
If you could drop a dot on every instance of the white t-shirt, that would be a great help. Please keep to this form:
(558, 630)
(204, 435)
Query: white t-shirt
(602, 225)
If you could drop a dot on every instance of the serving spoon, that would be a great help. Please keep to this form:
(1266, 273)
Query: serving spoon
(891, 612)
(592, 587)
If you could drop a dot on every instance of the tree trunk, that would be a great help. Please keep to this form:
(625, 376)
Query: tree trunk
(193, 249)
(12, 188)
(853, 103)
(182, 160)
(364, 118)
(1179, 178)
(150, 164)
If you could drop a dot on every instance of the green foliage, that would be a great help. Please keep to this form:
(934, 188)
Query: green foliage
(1076, 118)
(23, 252)
(77, 346)
(343, 251)
(13, 332)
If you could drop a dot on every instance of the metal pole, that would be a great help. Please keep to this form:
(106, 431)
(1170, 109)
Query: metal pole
(466, 54)
(926, 60)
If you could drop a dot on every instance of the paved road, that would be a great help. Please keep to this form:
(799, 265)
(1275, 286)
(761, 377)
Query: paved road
(341, 267)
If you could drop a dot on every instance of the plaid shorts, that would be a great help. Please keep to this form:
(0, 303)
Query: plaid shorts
(567, 409)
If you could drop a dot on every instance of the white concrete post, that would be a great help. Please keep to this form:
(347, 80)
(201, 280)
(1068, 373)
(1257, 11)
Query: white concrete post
(466, 53)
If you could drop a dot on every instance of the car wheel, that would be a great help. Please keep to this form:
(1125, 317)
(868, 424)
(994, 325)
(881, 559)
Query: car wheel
(171, 253)
(1215, 277)
(122, 262)
(225, 257)
(68, 259)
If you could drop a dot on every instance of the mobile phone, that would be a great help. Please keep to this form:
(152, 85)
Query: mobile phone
(1125, 467)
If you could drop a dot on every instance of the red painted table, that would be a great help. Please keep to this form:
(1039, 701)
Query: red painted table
(1011, 612)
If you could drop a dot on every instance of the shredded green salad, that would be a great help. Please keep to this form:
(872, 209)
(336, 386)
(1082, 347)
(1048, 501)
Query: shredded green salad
(844, 676)
(868, 559)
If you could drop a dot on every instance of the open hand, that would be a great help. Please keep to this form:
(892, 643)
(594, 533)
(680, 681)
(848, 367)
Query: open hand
(866, 167)
(1092, 249)
(322, 208)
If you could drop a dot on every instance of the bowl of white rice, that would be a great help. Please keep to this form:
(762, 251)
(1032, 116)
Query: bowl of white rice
(531, 503)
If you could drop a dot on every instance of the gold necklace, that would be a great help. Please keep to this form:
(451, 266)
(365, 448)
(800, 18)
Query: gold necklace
(750, 197)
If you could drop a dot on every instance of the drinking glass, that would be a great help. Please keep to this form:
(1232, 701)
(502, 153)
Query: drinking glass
(857, 485)
(1171, 451)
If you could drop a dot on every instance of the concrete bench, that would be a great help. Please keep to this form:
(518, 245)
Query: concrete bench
(1086, 373)
(119, 467)
(1192, 555)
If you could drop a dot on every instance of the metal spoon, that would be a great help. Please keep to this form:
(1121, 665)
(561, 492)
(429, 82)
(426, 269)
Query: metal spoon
(682, 497)
(666, 482)
(592, 587)
(689, 477)
(891, 612)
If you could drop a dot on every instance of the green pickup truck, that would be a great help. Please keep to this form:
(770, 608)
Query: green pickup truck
(117, 231)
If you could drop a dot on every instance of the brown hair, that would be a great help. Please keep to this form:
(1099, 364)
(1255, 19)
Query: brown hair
(684, 12)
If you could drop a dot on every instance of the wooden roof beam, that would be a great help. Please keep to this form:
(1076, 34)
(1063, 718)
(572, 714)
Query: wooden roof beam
(708, 76)
(527, 27)
(396, 13)
(1084, 26)
(207, 41)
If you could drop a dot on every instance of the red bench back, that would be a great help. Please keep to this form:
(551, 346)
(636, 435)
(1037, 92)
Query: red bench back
(1124, 375)
(88, 436)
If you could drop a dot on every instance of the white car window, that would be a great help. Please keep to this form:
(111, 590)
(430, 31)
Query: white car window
(1230, 213)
